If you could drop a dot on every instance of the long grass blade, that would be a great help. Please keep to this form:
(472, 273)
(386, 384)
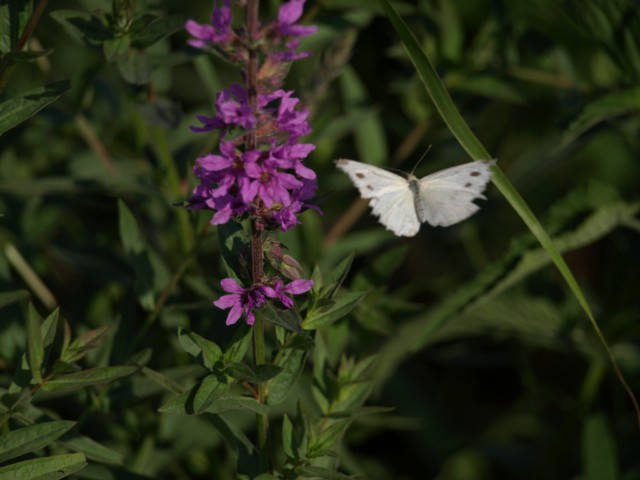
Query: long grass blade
(476, 150)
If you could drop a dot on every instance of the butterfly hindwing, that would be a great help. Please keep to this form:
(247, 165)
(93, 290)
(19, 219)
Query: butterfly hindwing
(447, 196)
(391, 198)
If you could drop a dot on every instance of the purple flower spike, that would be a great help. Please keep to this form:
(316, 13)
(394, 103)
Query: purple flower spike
(219, 31)
(258, 169)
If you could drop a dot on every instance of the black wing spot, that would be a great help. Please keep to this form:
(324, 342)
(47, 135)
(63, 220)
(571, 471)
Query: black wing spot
(370, 187)
(467, 185)
(360, 175)
(475, 173)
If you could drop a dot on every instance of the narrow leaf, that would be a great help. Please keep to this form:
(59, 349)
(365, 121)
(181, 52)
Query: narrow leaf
(30, 439)
(7, 298)
(287, 437)
(136, 250)
(598, 450)
(287, 319)
(234, 242)
(337, 276)
(47, 468)
(340, 307)
(156, 30)
(18, 109)
(606, 107)
(85, 342)
(35, 345)
(292, 363)
(206, 352)
(211, 388)
(241, 372)
(183, 404)
(85, 378)
(83, 26)
(163, 380)
(92, 449)
(239, 344)
(266, 371)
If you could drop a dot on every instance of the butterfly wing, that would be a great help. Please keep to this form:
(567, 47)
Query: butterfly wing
(447, 196)
(391, 199)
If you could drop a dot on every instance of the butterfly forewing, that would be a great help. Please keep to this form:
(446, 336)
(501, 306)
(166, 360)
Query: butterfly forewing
(447, 196)
(391, 198)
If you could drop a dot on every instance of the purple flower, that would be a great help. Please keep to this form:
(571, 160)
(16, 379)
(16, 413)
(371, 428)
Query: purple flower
(246, 300)
(241, 300)
(232, 108)
(290, 120)
(289, 13)
(296, 287)
(219, 30)
(226, 186)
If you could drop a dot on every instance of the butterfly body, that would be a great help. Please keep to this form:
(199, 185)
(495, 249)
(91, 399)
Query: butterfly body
(403, 203)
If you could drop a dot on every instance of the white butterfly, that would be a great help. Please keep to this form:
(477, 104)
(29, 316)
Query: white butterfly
(441, 199)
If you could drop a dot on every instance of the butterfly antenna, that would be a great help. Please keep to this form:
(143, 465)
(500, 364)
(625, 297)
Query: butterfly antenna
(420, 159)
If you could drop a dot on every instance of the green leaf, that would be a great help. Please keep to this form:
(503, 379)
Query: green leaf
(86, 378)
(18, 109)
(85, 342)
(83, 26)
(47, 468)
(136, 250)
(287, 319)
(241, 372)
(292, 363)
(183, 404)
(206, 352)
(116, 48)
(234, 246)
(598, 450)
(163, 380)
(30, 439)
(35, 346)
(287, 437)
(135, 67)
(321, 472)
(211, 389)
(244, 373)
(337, 309)
(334, 280)
(7, 298)
(92, 449)
(266, 372)
(145, 34)
(476, 150)
(328, 438)
(239, 344)
(14, 16)
(10, 59)
(604, 108)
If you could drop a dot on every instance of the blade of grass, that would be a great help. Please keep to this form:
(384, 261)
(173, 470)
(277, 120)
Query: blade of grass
(476, 150)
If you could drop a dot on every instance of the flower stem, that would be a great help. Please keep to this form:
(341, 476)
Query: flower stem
(257, 258)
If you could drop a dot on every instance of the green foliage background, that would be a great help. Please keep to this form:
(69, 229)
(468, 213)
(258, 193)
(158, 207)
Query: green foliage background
(488, 361)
